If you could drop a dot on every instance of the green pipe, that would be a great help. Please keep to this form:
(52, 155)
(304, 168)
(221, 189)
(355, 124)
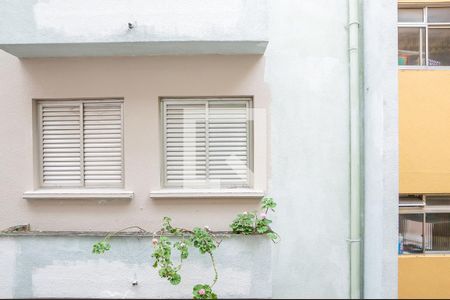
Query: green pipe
(355, 149)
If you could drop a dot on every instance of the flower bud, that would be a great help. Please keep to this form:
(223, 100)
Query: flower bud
(201, 292)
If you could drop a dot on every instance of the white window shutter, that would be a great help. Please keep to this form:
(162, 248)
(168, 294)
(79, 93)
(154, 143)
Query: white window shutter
(228, 140)
(185, 143)
(60, 143)
(206, 143)
(102, 147)
(81, 143)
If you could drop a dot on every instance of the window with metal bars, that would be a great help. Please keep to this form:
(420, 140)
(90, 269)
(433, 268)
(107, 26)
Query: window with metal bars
(207, 142)
(424, 224)
(81, 143)
(424, 36)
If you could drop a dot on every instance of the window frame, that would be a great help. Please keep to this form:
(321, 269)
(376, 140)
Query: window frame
(249, 100)
(425, 209)
(426, 25)
(81, 101)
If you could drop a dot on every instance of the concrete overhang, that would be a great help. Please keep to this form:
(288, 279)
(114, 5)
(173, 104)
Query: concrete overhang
(74, 28)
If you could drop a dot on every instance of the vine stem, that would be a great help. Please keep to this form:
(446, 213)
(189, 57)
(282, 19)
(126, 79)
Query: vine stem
(216, 275)
(181, 231)
(110, 235)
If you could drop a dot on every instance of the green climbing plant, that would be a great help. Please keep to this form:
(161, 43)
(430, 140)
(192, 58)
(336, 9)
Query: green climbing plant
(203, 239)
(252, 223)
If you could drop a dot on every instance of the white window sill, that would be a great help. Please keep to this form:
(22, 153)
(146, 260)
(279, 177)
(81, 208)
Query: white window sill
(206, 193)
(426, 68)
(94, 194)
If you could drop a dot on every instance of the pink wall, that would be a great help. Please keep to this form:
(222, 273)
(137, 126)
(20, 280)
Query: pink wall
(140, 81)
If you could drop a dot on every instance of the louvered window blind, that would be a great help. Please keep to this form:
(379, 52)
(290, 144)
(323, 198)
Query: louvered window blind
(81, 143)
(207, 142)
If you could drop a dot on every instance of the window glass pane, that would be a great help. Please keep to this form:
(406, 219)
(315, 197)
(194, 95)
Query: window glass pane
(410, 15)
(438, 200)
(410, 233)
(439, 46)
(437, 232)
(439, 14)
(411, 46)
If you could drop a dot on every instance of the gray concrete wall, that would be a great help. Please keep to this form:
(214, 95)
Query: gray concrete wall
(64, 267)
(36, 28)
(381, 149)
(307, 71)
(87, 21)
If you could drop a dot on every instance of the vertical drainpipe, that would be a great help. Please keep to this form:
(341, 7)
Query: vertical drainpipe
(355, 149)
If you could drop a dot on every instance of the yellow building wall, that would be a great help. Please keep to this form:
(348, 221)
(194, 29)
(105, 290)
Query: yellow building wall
(424, 276)
(424, 125)
(424, 131)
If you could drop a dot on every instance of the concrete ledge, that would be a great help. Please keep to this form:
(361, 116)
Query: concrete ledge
(205, 193)
(72, 28)
(102, 234)
(94, 194)
(64, 267)
(135, 49)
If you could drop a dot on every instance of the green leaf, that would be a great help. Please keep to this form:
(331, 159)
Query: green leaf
(207, 292)
(182, 246)
(162, 272)
(273, 236)
(203, 240)
(262, 226)
(197, 288)
(176, 279)
(268, 203)
(101, 247)
(244, 223)
(168, 227)
(262, 229)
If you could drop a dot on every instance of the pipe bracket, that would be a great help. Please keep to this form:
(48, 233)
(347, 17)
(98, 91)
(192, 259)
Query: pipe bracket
(354, 240)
